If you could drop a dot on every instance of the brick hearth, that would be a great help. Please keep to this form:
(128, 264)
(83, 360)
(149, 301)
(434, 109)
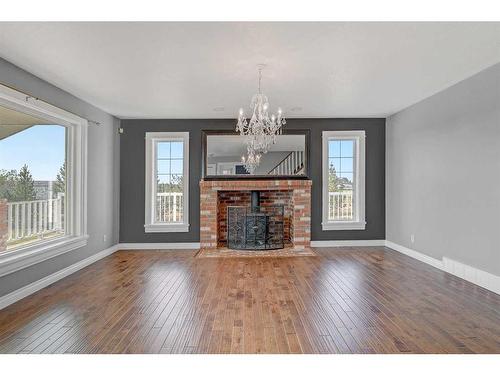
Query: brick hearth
(215, 196)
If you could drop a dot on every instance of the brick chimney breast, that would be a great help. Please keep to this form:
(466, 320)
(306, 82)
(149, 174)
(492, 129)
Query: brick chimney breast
(216, 195)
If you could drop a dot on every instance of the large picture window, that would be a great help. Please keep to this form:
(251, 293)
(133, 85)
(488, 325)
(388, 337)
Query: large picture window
(167, 162)
(43, 151)
(32, 179)
(343, 180)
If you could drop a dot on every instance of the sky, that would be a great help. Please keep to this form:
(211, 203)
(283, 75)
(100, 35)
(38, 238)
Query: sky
(41, 148)
(341, 156)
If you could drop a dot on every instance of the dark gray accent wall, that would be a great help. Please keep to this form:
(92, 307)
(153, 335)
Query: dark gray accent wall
(132, 149)
(103, 178)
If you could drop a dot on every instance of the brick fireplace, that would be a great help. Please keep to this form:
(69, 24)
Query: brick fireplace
(216, 196)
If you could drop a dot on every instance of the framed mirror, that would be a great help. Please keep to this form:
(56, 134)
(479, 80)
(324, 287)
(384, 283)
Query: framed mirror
(223, 153)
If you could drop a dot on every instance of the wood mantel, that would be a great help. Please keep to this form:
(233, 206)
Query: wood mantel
(301, 202)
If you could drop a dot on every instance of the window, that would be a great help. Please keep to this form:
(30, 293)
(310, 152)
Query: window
(167, 185)
(32, 179)
(343, 180)
(42, 181)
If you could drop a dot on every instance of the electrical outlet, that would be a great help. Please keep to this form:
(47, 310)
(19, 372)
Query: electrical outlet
(412, 238)
(104, 238)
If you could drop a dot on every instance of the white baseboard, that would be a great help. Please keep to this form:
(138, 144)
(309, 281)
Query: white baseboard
(415, 254)
(348, 243)
(466, 272)
(159, 246)
(474, 275)
(25, 291)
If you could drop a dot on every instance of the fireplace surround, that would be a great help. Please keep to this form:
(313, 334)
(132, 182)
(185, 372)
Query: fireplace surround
(217, 195)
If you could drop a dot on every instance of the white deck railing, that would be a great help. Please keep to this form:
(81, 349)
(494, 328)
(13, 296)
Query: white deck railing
(340, 205)
(169, 207)
(28, 219)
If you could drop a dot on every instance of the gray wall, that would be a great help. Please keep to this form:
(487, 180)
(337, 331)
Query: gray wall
(103, 177)
(443, 173)
(132, 176)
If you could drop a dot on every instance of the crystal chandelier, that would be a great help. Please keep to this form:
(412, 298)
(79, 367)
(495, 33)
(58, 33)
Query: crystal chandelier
(252, 160)
(261, 130)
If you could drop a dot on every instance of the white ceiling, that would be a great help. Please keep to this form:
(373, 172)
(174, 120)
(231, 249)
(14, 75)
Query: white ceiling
(208, 70)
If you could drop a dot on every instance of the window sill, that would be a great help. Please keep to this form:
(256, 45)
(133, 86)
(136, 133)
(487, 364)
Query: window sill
(348, 225)
(15, 260)
(166, 228)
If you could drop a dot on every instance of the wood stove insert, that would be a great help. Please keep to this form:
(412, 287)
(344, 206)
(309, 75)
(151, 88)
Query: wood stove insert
(255, 227)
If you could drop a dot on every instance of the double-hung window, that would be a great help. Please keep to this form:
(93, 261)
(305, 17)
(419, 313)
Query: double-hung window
(43, 169)
(167, 182)
(343, 180)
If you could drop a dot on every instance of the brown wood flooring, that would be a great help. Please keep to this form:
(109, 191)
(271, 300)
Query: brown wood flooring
(369, 300)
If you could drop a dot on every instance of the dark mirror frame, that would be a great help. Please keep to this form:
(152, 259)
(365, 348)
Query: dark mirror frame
(206, 133)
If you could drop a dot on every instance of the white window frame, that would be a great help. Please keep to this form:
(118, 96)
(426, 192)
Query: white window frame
(359, 222)
(152, 139)
(76, 183)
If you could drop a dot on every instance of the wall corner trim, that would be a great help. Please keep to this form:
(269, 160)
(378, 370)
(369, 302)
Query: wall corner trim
(474, 275)
(35, 286)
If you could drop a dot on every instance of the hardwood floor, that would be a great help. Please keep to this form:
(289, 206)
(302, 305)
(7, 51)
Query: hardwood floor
(343, 301)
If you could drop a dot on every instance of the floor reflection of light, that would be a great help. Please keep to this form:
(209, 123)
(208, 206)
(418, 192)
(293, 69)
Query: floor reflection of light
(171, 294)
(339, 288)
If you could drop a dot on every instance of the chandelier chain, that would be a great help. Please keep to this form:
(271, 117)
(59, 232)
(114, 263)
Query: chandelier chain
(260, 79)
